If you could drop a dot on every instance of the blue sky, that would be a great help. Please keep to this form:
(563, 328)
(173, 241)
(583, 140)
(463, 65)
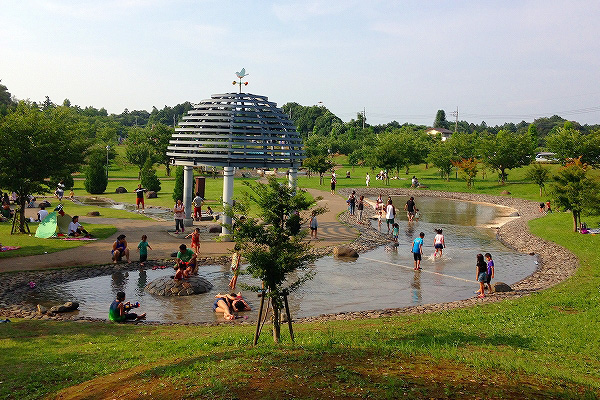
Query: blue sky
(497, 61)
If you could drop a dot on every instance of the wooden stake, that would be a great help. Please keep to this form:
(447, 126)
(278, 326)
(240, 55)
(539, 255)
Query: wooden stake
(287, 313)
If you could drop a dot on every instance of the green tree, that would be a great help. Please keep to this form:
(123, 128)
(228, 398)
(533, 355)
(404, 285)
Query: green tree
(569, 143)
(441, 156)
(159, 137)
(6, 102)
(539, 175)
(319, 164)
(34, 146)
(440, 120)
(178, 190)
(507, 150)
(575, 190)
(468, 168)
(272, 245)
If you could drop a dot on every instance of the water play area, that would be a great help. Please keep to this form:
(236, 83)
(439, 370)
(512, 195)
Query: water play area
(378, 279)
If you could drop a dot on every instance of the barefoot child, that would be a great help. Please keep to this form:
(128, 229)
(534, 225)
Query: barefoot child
(143, 247)
(395, 232)
(417, 250)
(490, 271)
(481, 275)
(235, 266)
(195, 245)
(438, 243)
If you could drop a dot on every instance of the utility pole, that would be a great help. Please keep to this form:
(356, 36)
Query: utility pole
(455, 115)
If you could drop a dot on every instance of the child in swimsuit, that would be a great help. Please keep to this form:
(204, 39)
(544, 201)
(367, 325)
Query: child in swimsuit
(195, 245)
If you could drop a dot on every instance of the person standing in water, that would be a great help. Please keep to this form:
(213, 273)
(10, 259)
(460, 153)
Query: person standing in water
(481, 275)
(417, 250)
(438, 243)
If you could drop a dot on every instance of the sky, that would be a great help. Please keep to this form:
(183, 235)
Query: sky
(494, 61)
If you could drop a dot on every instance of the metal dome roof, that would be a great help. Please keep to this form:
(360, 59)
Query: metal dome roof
(236, 130)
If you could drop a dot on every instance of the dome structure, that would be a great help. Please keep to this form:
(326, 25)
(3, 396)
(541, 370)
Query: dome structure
(236, 130)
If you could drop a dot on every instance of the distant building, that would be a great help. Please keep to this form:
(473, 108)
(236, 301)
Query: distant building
(446, 133)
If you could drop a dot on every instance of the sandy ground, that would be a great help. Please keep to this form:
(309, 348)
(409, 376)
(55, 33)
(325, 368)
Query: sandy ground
(331, 232)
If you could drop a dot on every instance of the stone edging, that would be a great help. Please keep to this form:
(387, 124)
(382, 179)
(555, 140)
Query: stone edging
(555, 263)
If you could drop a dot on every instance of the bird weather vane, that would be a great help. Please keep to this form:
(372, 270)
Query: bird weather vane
(240, 76)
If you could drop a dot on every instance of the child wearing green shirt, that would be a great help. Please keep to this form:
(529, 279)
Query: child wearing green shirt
(143, 247)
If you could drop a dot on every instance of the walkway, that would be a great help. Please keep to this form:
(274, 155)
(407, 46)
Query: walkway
(331, 233)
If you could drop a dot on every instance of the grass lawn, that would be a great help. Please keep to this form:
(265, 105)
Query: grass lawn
(30, 245)
(540, 346)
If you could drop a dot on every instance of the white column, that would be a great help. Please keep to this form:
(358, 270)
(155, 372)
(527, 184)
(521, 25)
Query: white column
(293, 177)
(188, 188)
(227, 195)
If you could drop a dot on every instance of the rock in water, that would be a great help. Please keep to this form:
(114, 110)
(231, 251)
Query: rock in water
(166, 286)
(344, 251)
(501, 287)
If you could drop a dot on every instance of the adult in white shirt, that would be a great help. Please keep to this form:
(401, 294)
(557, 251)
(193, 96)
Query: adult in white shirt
(75, 228)
(42, 213)
(390, 213)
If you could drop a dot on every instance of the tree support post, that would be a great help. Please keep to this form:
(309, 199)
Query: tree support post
(227, 196)
(188, 188)
(260, 311)
(287, 313)
(16, 225)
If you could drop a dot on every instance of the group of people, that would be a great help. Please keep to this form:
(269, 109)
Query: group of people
(545, 208)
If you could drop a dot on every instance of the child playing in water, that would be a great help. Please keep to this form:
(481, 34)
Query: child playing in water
(395, 232)
(490, 271)
(417, 250)
(438, 243)
(143, 247)
(195, 245)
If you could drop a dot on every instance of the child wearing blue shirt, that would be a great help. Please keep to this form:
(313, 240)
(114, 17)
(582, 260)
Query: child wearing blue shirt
(417, 250)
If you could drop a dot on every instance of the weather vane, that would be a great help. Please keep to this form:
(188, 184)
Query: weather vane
(240, 76)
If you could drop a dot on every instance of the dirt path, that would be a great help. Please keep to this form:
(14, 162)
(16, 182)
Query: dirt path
(163, 243)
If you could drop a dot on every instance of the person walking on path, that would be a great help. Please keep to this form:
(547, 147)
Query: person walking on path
(314, 225)
(197, 202)
(361, 207)
(179, 211)
(333, 182)
(390, 214)
(139, 197)
(417, 250)
(352, 202)
(195, 244)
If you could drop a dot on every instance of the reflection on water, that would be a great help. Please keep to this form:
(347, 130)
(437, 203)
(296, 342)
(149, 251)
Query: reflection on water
(379, 279)
(154, 212)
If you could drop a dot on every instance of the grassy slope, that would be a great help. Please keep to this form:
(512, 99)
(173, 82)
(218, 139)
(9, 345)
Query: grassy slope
(543, 345)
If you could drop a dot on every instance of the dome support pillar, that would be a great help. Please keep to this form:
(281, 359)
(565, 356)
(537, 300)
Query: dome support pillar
(227, 196)
(188, 188)
(293, 178)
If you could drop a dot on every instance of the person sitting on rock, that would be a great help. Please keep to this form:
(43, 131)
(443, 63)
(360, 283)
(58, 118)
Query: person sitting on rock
(118, 311)
(187, 258)
(120, 249)
(230, 303)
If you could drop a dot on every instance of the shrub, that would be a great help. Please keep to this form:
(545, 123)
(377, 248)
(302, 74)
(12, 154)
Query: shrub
(149, 180)
(178, 191)
(95, 177)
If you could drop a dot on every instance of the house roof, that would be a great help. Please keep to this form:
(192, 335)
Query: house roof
(440, 130)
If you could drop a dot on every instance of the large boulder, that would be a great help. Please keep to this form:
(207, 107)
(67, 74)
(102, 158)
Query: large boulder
(151, 194)
(67, 307)
(120, 189)
(214, 229)
(344, 251)
(167, 286)
(500, 287)
(93, 214)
